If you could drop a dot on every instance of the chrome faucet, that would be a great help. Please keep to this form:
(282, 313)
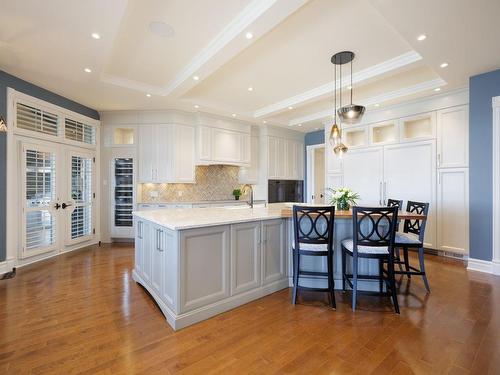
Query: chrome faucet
(248, 186)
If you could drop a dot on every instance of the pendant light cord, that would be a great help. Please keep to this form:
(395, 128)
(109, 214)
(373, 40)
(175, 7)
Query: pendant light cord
(335, 93)
(351, 81)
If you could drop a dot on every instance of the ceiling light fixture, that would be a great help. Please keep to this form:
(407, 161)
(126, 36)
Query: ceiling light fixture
(421, 37)
(234, 115)
(444, 65)
(95, 36)
(196, 78)
(350, 113)
(249, 35)
(437, 89)
(376, 105)
(148, 95)
(87, 70)
(290, 107)
(299, 125)
(250, 88)
(196, 106)
(264, 122)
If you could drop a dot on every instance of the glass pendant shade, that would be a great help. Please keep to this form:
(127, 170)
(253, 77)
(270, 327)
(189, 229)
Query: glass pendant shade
(335, 135)
(351, 113)
(340, 149)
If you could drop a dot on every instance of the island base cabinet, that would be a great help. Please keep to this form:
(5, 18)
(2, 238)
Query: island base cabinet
(204, 266)
(273, 251)
(245, 257)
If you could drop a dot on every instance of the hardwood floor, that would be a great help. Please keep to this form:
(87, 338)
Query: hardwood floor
(82, 313)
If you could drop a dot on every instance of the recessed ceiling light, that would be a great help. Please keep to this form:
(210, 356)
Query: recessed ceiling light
(290, 107)
(316, 128)
(444, 65)
(148, 95)
(161, 29)
(376, 105)
(421, 37)
(87, 70)
(196, 106)
(437, 89)
(299, 125)
(95, 36)
(234, 115)
(196, 78)
(349, 87)
(249, 35)
(264, 122)
(250, 88)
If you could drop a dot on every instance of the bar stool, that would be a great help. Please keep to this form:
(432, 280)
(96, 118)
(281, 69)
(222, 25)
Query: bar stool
(399, 204)
(413, 237)
(395, 202)
(313, 236)
(373, 238)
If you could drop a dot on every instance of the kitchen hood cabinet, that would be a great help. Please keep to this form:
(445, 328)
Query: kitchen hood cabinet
(166, 153)
(223, 146)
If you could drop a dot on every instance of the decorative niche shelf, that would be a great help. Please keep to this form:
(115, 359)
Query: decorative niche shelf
(123, 136)
(384, 133)
(418, 127)
(355, 137)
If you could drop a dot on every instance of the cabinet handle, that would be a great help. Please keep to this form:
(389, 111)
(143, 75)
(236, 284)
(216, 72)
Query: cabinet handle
(439, 178)
(439, 160)
(160, 233)
(380, 194)
(385, 192)
(139, 229)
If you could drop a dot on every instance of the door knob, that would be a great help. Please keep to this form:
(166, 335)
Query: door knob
(57, 206)
(64, 205)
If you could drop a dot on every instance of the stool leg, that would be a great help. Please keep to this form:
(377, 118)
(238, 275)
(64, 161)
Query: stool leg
(392, 282)
(381, 274)
(331, 282)
(354, 281)
(422, 268)
(407, 262)
(398, 256)
(295, 275)
(344, 263)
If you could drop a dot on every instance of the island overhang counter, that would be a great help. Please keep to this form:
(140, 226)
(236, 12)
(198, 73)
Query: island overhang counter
(200, 262)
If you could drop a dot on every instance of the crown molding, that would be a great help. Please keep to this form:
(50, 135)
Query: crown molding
(327, 89)
(391, 95)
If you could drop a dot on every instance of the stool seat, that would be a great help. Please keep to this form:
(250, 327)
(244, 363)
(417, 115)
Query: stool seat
(407, 239)
(348, 245)
(311, 246)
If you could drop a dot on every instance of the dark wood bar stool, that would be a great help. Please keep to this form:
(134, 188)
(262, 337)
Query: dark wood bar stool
(313, 236)
(373, 237)
(413, 237)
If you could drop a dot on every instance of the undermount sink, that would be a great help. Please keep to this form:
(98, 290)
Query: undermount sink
(243, 207)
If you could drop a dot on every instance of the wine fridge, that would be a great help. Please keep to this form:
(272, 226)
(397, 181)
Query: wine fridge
(123, 197)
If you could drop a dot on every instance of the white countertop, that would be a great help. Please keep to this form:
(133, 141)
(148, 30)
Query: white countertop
(233, 201)
(187, 218)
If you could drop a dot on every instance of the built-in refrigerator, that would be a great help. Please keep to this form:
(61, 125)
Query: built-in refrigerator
(123, 197)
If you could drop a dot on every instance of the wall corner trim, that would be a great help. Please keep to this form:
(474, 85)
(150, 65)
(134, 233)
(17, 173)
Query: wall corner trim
(484, 266)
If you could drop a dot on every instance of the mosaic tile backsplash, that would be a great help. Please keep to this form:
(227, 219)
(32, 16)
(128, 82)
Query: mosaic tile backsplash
(213, 182)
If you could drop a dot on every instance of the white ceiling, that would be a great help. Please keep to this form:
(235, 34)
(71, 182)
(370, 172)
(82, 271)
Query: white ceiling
(287, 62)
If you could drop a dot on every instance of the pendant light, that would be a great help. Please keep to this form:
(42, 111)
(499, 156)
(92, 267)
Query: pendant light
(339, 148)
(350, 113)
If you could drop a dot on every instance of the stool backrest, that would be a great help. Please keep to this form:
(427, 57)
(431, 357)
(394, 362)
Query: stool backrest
(313, 225)
(416, 226)
(395, 202)
(374, 226)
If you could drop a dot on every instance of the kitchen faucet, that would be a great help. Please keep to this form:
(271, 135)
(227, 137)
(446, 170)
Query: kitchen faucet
(248, 186)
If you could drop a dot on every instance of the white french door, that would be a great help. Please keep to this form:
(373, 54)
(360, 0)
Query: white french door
(57, 196)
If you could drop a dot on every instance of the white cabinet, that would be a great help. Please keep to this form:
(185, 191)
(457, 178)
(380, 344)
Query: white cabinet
(157, 249)
(250, 175)
(223, 146)
(245, 257)
(453, 210)
(453, 137)
(166, 154)
(139, 246)
(285, 159)
(363, 173)
(119, 135)
(409, 174)
(273, 251)
(418, 127)
(144, 250)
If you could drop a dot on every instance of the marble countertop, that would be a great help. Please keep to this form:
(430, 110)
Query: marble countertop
(187, 218)
(222, 201)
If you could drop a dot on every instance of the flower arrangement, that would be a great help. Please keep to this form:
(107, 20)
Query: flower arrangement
(343, 198)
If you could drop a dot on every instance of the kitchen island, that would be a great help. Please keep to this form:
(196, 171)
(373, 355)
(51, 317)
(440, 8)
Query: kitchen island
(199, 262)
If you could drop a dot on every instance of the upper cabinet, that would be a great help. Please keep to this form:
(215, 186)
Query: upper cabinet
(250, 175)
(453, 137)
(285, 159)
(166, 154)
(120, 136)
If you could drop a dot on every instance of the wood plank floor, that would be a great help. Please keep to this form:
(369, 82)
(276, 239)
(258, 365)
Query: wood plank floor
(81, 313)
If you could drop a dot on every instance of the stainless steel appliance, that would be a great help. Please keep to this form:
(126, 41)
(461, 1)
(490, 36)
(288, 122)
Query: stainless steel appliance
(285, 191)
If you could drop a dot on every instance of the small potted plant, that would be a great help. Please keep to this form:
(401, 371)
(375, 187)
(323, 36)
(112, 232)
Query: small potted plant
(237, 194)
(343, 198)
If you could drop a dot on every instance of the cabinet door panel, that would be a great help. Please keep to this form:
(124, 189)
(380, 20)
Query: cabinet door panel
(147, 153)
(164, 153)
(280, 158)
(409, 174)
(453, 198)
(204, 143)
(273, 251)
(148, 244)
(453, 137)
(157, 249)
(363, 174)
(184, 170)
(226, 146)
(245, 148)
(245, 257)
(250, 175)
(139, 246)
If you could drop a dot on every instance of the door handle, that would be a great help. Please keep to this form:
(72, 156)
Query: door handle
(64, 205)
(57, 206)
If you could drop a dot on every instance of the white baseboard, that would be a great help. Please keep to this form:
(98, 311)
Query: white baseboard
(7, 266)
(492, 267)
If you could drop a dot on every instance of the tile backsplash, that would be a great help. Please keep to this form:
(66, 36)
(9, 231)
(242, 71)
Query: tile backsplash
(213, 182)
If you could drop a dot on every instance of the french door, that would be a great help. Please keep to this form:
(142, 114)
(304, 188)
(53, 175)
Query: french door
(57, 196)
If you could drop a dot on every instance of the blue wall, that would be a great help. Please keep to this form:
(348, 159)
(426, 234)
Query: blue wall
(7, 80)
(313, 138)
(481, 89)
